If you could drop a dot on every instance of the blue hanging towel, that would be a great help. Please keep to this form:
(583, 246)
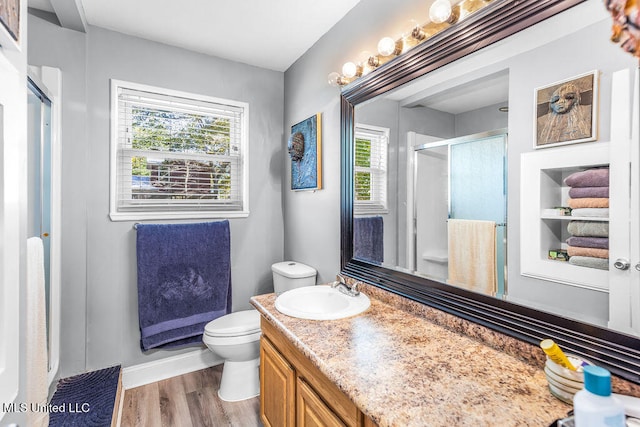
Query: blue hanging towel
(368, 239)
(184, 280)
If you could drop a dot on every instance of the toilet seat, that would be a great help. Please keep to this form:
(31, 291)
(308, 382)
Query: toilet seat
(239, 323)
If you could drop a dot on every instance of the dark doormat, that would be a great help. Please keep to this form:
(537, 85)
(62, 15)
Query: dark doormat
(85, 400)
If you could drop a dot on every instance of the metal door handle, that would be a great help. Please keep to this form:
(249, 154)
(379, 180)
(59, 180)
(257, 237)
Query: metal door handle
(622, 264)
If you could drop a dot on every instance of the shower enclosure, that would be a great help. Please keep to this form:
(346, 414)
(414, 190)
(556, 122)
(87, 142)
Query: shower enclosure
(463, 178)
(43, 199)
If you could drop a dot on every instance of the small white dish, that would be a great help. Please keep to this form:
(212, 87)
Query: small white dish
(562, 380)
(563, 387)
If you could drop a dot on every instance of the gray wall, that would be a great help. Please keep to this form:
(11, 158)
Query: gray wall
(99, 294)
(312, 219)
(481, 120)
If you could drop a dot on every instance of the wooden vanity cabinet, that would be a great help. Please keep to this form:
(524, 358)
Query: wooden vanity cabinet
(293, 392)
(277, 387)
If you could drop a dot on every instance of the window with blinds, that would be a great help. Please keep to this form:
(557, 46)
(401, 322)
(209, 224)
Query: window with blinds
(176, 155)
(370, 169)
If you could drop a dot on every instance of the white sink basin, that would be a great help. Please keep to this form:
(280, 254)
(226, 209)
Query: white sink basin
(320, 303)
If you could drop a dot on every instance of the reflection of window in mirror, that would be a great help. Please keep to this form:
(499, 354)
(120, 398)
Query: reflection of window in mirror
(370, 169)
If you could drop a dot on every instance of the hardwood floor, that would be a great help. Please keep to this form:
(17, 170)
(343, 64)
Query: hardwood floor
(189, 400)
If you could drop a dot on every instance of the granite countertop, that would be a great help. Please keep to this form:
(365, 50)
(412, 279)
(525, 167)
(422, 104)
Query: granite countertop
(403, 369)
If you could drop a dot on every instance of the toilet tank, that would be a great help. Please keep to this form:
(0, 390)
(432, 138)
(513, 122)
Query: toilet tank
(290, 274)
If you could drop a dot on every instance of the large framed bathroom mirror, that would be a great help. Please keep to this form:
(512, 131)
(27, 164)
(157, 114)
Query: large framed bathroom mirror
(457, 115)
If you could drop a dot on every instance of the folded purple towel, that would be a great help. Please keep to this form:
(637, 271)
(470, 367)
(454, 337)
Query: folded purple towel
(589, 242)
(598, 177)
(588, 192)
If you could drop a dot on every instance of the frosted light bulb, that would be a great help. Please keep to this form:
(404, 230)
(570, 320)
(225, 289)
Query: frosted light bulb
(440, 11)
(386, 46)
(349, 69)
(333, 79)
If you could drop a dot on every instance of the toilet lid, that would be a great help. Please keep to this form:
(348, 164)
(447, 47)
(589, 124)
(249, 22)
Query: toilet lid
(238, 323)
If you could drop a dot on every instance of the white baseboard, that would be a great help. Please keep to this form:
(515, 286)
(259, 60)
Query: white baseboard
(147, 373)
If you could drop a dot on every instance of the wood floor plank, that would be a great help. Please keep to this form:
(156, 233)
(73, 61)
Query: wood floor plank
(141, 407)
(196, 380)
(205, 408)
(243, 413)
(174, 409)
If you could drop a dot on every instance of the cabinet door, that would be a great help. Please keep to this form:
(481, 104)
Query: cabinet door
(277, 387)
(312, 411)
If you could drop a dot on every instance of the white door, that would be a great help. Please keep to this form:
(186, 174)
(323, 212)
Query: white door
(624, 227)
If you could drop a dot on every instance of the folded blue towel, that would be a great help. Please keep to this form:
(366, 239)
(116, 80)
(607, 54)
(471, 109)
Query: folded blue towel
(368, 239)
(184, 280)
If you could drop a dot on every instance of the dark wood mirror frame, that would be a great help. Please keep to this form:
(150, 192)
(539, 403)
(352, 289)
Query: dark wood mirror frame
(615, 351)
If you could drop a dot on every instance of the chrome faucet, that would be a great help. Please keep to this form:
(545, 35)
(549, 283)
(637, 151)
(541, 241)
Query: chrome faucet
(342, 286)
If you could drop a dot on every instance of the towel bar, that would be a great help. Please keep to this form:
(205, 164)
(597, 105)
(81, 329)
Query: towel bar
(498, 224)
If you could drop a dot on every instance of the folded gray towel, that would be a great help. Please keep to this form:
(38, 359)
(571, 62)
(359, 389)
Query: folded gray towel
(588, 228)
(587, 261)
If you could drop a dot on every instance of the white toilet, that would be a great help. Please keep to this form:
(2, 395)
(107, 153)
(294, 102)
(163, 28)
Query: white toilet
(236, 336)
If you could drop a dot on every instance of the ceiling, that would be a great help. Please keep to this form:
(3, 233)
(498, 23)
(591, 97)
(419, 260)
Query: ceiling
(475, 94)
(269, 34)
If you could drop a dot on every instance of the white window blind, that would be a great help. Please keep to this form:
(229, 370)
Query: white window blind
(370, 169)
(176, 154)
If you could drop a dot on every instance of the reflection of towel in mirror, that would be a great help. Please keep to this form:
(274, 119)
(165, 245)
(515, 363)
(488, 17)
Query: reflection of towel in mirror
(184, 280)
(472, 255)
(368, 238)
(589, 242)
(588, 228)
(588, 202)
(591, 212)
(580, 192)
(597, 177)
(590, 252)
(591, 262)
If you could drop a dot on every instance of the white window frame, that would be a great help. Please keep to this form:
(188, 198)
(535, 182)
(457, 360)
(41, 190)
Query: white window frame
(167, 214)
(380, 205)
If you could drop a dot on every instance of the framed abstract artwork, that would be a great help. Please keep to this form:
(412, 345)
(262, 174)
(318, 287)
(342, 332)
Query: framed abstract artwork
(10, 24)
(305, 150)
(566, 112)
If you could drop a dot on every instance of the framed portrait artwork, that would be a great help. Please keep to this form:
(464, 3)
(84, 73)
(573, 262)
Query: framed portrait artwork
(566, 112)
(305, 150)
(10, 24)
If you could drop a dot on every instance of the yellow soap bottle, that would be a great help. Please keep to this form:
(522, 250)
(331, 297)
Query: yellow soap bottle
(555, 353)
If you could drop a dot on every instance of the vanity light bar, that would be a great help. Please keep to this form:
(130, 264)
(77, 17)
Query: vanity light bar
(388, 48)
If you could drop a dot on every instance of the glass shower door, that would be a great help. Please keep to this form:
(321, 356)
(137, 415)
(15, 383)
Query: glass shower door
(39, 179)
(477, 189)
